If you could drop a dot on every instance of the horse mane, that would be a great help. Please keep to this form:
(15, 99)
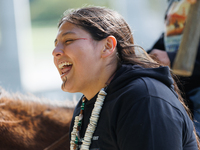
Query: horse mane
(28, 122)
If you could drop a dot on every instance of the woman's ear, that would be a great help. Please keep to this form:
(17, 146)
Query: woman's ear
(110, 45)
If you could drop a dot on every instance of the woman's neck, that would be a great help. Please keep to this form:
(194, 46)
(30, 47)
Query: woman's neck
(103, 81)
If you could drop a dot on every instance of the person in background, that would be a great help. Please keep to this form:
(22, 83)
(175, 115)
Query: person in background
(129, 100)
(166, 47)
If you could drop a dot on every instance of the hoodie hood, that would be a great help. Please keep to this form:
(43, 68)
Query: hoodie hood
(127, 73)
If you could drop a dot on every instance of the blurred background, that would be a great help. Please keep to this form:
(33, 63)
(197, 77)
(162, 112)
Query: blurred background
(28, 29)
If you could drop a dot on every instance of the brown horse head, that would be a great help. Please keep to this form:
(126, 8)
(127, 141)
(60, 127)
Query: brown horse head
(26, 124)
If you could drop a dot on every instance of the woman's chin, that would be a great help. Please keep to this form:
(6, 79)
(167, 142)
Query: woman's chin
(66, 88)
(63, 86)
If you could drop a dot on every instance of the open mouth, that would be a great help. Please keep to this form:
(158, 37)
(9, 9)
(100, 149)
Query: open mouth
(65, 68)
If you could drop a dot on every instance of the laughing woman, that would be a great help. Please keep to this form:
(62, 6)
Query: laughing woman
(129, 101)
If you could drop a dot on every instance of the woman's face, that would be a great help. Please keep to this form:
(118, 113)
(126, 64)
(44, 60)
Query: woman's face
(77, 57)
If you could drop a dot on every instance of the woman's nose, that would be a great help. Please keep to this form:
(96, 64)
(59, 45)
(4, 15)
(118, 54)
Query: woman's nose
(57, 52)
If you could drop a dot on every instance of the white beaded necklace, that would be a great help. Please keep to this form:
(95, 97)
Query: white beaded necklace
(91, 126)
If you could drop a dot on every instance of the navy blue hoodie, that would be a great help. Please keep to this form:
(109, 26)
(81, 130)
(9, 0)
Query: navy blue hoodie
(140, 112)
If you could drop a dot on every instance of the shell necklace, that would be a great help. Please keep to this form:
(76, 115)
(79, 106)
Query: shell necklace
(75, 137)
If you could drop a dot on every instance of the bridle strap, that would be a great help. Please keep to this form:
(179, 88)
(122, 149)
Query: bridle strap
(58, 142)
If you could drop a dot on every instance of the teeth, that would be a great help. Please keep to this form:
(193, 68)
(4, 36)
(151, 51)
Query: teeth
(64, 64)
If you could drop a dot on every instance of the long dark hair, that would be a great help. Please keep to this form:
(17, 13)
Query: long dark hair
(102, 22)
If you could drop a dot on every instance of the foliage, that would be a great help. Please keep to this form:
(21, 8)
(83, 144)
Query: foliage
(48, 12)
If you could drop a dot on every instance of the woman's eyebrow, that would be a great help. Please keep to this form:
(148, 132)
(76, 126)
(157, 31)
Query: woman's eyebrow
(66, 33)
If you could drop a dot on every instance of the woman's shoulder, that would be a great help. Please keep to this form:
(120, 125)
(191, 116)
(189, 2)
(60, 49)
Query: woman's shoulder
(145, 87)
(147, 93)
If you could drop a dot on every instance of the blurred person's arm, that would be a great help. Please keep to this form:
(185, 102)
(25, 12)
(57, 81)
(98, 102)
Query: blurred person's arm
(162, 56)
(158, 50)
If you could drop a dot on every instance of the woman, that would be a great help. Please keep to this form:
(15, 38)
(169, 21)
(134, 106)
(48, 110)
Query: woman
(129, 100)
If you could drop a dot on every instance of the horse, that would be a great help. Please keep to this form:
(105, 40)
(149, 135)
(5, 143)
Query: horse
(31, 123)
